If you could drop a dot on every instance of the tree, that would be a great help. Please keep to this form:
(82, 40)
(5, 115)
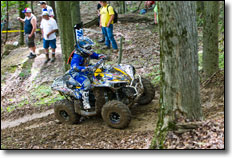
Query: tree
(65, 29)
(75, 12)
(21, 6)
(121, 7)
(7, 21)
(32, 8)
(179, 93)
(124, 6)
(210, 37)
(200, 6)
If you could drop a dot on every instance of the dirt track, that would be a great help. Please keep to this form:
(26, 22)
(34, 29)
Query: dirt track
(91, 133)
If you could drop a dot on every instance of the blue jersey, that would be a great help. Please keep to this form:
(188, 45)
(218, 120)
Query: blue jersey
(80, 62)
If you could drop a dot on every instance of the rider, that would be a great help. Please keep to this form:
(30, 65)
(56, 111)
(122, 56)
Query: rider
(80, 67)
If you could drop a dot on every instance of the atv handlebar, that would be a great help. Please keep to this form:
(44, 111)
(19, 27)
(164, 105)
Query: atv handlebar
(98, 64)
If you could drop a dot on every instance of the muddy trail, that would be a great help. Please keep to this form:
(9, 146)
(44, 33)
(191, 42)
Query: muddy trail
(91, 133)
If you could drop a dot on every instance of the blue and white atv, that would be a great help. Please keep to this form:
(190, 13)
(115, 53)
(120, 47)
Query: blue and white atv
(114, 89)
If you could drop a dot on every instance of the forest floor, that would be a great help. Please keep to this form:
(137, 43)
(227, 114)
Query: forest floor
(27, 101)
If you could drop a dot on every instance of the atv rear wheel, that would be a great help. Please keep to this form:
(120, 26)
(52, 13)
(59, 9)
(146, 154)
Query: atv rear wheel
(65, 113)
(116, 114)
(148, 94)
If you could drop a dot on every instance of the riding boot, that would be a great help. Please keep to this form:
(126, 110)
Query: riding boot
(85, 97)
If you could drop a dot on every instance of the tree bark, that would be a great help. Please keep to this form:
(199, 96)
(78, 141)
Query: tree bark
(7, 21)
(210, 37)
(65, 29)
(32, 8)
(21, 4)
(75, 12)
(200, 6)
(179, 93)
(124, 7)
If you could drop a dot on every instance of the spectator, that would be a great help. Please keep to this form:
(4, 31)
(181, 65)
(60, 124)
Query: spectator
(106, 23)
(29, 31)
(156, 14)
(47, 8)
(3, 25)
(148, 4)
(98, 14)
(48, 28)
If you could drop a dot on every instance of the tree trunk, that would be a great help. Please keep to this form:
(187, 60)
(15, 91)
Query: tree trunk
(210, 37)
(75, 12)
(138, 7)
(22, 5)
(32, 8)
(179, 93)
(200, 6)
(7, 21)
(124, 6)
(65, 29)
(52, 4)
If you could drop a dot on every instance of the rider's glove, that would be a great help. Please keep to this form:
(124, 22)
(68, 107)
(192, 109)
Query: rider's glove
(102, 56)
(88, 68)
(76, 69)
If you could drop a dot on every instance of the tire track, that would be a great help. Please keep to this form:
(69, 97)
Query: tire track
(17, 122)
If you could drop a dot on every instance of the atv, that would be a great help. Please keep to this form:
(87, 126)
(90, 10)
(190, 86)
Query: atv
(114, 90)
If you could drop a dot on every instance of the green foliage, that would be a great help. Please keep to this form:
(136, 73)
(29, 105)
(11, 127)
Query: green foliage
(10, 108)
(160, 131)
(22, 103)
(221, 61)
(45, 95)
(3, 146)
(42, 91)
(200, 21)
(19, 105)
(154, 75)
(200, 61)
(49, 100)
(221, 19)
(26, 69)
(12, 4)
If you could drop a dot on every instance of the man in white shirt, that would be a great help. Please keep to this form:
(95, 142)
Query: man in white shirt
(47, 8)
(48, 28)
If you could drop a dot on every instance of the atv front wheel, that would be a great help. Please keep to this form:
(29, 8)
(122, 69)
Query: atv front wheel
(65, 113)
(116, 114)
(148, 94)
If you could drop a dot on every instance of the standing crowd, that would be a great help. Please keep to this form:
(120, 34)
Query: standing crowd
(48, 29)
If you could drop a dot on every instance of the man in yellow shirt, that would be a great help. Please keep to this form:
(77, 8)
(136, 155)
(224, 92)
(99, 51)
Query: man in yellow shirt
(106, 23)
